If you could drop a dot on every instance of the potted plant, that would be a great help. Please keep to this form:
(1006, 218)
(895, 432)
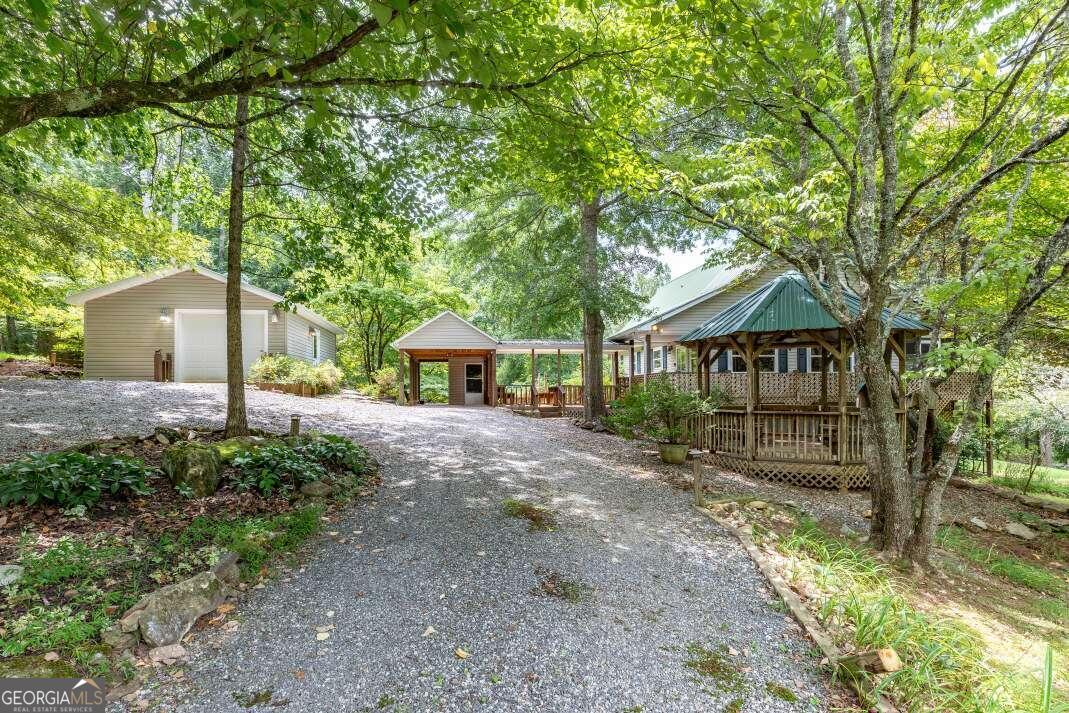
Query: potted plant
(658, 410)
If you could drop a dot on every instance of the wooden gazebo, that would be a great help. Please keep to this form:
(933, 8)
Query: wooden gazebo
(816, 441)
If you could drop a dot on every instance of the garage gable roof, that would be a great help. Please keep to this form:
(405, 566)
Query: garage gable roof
(446, 330)
(78, 298)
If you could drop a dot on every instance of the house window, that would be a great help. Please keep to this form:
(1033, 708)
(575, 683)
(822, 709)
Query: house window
(833, 364)
(767, 361)
(658, 359)
(736, 361)
(314, 335)
(638, 361)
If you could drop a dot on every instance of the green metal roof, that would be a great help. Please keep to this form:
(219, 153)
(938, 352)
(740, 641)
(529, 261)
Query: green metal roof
(783, 305)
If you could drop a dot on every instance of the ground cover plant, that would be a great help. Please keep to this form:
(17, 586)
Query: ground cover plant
(89, 550)
(973, 634)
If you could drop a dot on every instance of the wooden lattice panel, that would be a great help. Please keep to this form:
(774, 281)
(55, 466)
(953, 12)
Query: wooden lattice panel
(806, 475)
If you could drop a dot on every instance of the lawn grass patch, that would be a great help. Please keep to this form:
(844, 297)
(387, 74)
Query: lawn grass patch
(540, 519)
(10, 356)
(1005, 566)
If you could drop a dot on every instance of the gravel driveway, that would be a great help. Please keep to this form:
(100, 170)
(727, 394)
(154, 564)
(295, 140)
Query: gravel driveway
(657, 585)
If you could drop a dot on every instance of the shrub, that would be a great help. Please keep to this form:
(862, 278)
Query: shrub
(71, 479)
(659, 410)
(335, 451)
(382, 385)
(274, 467)
(285, 369)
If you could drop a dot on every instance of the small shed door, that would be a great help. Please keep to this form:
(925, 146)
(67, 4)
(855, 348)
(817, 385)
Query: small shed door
(473, 384)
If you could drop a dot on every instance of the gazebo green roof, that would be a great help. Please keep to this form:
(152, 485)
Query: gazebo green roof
(786, 304)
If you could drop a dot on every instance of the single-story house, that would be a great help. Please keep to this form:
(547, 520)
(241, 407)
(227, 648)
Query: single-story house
(177, 315)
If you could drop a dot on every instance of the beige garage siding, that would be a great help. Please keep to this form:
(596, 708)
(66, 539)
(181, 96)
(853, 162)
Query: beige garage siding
(123, 330)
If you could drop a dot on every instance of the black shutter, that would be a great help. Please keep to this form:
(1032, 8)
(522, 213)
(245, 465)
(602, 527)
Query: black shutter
(722, 361)
(781, 357)
(803, 359)
(664, 358)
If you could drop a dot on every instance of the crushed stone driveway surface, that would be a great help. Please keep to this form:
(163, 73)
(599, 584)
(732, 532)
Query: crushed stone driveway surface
(656, 585)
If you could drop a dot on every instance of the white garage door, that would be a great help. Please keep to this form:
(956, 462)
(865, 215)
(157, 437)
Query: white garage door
(200, 343)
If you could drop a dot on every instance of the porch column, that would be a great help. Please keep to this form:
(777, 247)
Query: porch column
(413, 380)
(648, 344)
(400, 378)
(751, 398)
(631, 362)
(491, 366)
(558, 369)
(824, 377)
(615, 375)
(534, 380)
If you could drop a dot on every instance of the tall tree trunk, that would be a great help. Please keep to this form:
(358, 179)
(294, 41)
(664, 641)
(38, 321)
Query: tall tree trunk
(1046, 447)
(892, 487)
(236, 419)
(593, 322)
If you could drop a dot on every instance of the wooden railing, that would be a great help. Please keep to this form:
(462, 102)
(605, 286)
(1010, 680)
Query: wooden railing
(798, 436)
(520, 395)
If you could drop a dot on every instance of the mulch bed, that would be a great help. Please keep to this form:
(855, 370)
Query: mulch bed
(163, 511)
(38, 370)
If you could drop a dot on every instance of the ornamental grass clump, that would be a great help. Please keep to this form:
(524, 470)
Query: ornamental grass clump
(659, 410)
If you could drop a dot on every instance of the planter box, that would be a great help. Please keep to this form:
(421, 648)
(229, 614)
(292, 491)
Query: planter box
(295, 389)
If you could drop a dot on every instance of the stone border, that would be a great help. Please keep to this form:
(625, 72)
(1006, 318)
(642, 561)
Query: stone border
(800, 612)
(1031, 501)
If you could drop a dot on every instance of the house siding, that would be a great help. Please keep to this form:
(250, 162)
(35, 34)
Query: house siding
(299, 342)
(123, 330)
(694, 317)
(446, 331)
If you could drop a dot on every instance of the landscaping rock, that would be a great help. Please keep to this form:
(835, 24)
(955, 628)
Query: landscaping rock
(117, 639)
(10, 573)
(1019, 530)
(757, 505)
(35, 667)
(167, 436)
(226, 569)
(131, 621)
(233, 446)
(167, 614)
(168, 654)
(317, 489)
(978, 523)
(195, 466)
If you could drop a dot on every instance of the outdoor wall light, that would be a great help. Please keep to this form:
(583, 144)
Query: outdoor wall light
(311, 331)
(274, 316)
(165, 314)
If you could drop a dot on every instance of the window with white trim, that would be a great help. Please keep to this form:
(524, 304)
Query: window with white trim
(314, 336)
(658, 361)
(767, 361)
(638, 361)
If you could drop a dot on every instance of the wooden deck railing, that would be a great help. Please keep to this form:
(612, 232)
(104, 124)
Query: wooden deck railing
(794, 436)
(520, 395)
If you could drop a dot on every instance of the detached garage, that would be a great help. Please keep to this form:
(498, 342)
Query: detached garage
(177, 316)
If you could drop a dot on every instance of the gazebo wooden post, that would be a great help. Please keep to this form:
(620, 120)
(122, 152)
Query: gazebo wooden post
(534, 381)
(751, 399)
(840, 454)
(824, 377)
(400, 378)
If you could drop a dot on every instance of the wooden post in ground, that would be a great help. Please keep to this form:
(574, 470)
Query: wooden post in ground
(615, 375)
(400, 378)
(413, 380)
(295, 425)
(751, 400)
(699, 486)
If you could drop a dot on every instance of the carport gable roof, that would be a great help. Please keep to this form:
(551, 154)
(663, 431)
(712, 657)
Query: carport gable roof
(79, 298)
(446, 330)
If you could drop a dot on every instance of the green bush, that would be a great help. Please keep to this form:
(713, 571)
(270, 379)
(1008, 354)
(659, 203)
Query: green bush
(659, 410)
(274, 467)
(383, 384)
(335, 451)
(284, 369)
(71, 479)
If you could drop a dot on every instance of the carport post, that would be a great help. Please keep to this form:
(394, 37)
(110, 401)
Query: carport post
(534, 380)
(400, 378)
(558, 368)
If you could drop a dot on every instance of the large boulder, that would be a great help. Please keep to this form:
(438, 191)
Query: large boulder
(193, 466)
(166, 615)
(234, 446)
(316, 489)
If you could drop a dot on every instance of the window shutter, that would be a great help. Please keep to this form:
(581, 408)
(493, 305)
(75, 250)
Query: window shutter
(803, 359)
(781, 359)
(722, 361)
